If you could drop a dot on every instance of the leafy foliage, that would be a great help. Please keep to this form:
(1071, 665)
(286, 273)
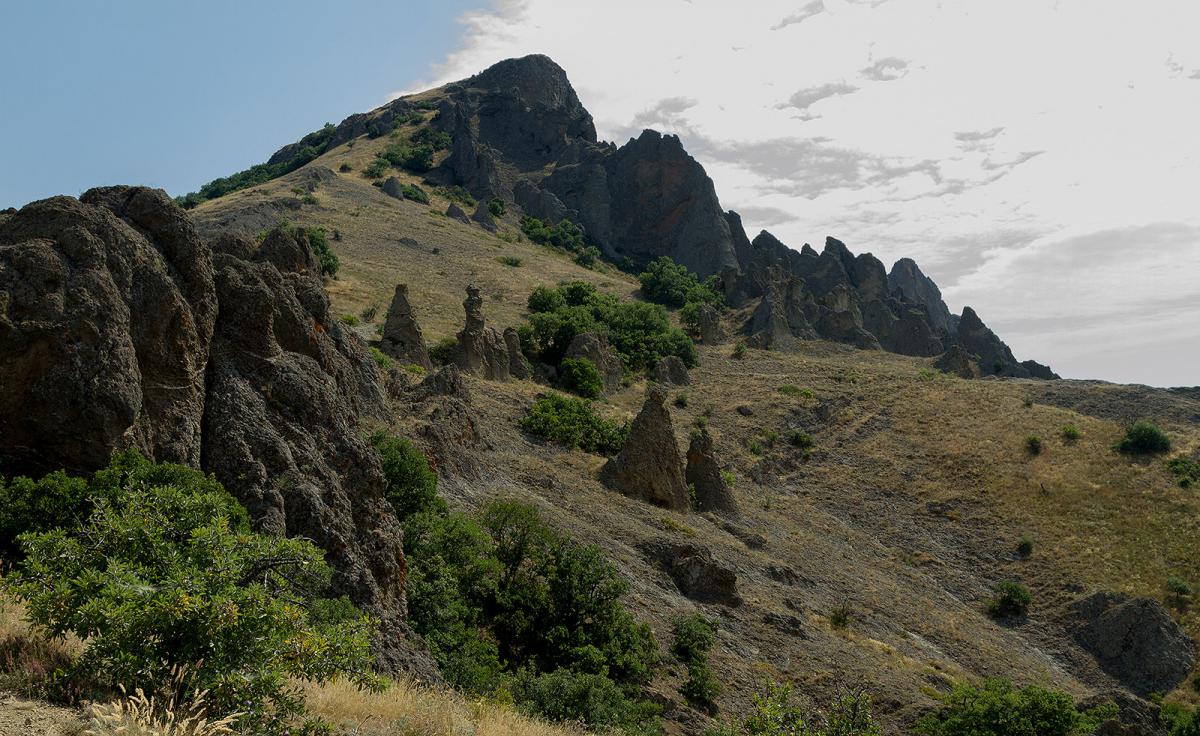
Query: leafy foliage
(562, 234)
(165, 572)
(1010, 599)
(775, 714)
(591, 699)
(694, 636)
(641, 333)
(1182, 722)
(580, 376)
(311, 146)
(411, 485)
(56, 501)
(1186, 472)
(496, 207)
(320, 245)
(437, 140)
(1144, 438)
(996, 708)
(574, 423)
(417, 159)
(666, 282)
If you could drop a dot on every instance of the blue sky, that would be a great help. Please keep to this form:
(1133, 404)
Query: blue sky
(174, 94)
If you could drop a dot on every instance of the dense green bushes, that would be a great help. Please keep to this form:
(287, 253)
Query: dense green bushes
(580, 376)
(507, 603)
(411, 485)
(776, 714)
(666, 282)
(417, 159)
(574, 423)
(694, 636)
(55, 501)
(1144, 438)
(164, 571)
(320, 245)
(562, 234)
(996, 708)
(1182, 722)
(1010, 599)
(641, 333)
(311, 146)
(1186, 472)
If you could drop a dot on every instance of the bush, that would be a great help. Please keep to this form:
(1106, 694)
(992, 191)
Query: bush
(775, 714)
(350, 320)
(377, 168)
(788, 389)
(1009, 599)
(57, 501)
(641, 333)
(580, 376)
(496, 207)
(457, 194)
(1179, 589)
(1033, 444)
(694, 636)
(1144, 438)
(320, 245)
(345, 168)
(574, 423)
(672, 284)
(165, 572)
(381, 360)
(1182, 722)
(563, 234)
(414, 193)
(1186, 472)
(701, 687)
(438, 140)
(512, 261)
(804, 441)
(443, 351)
(1071, 434)
(368, 313)
(411, 486)
(417, 159)
(681, 400)
(588, 256)
(739, 351)
(1025, 547)
(590, 699)
(996, 708)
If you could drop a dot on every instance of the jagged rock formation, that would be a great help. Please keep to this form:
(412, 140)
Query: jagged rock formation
(993, 356)
(957, 362)
(113, 330)
(518, 367)
(483, 217)
(454, 212)
(695, 572)
(671, 370)
(595, 348)
(1134, 640)
(483, 350)
(703, 476)
(708, 324)
(648, 466)
(911, 285)
(401, 338)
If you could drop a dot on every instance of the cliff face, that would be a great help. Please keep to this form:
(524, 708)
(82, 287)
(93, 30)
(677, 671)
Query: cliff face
(126, 330)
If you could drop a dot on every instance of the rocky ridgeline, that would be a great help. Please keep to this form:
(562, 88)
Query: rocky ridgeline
(123, 329)
(521, 134)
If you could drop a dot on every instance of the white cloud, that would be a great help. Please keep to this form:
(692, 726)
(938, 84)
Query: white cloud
(1038, 159)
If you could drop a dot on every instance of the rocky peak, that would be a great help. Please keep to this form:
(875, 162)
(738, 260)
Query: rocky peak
(914, 286)
(541, 86)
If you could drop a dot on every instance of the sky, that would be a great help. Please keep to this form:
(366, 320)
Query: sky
(1038, 158)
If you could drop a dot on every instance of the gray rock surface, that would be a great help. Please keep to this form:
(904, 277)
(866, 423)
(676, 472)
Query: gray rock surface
(914, 286)
(595, 348)
(712, 332)
(648, 467)
(671, 371)
(454, 212)
(401, 338)
(482, 350)
(703, 475)
(695, 572)
(958, 362)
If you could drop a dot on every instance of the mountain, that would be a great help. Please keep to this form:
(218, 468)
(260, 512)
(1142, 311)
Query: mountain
(855, 507)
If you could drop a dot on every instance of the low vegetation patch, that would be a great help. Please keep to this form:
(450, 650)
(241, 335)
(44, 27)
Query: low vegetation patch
(574, 423)
(996, 708)
(1185, 471)
(1070, 434)
(666, 282)
(1033, 444)
(694, 636)
(775, 713)
(1010, 599)
(580, 376)
(1144, 438)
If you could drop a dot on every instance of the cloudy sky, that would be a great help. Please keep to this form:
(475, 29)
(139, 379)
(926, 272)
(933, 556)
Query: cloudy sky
(1039, 159)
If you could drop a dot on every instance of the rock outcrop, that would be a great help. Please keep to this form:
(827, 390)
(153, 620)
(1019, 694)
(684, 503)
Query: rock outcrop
(125, 330)
(911, 285)
(454, 212)
(708, 325)
(485, 351)
(401, 338)
(648, 467)
(595, 348)
(703, 475)
(483, 217)
(695, 572)
(1134, 640)
(958, 362)
(993, 356)
(671, 371)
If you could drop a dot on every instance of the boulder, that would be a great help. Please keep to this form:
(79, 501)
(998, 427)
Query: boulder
(393, 187)
(1134, 640)
(401, 337)
(483, 350)
(958, 362)
(695, 572)
(483, 217)
(671, 370)
(518, 367)
(454, 212)
(595, 348)
(648, 467)
(703, 475)
(708, 324)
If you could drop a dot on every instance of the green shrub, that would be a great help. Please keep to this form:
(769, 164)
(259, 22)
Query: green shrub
(414, 193)
(563, 234)
(804, 441)
(587, 698)
(996, 708)
(573, 423)
(1025, 547)
(1033, 444)
(345, 168)
(641, 333)
(165, 572)
(496, 207)
(681, 399)
(701, 687)
(382, 360)
(377, 168)
(350, 320)
(1009, 599)
(443, 350)
(417, 159)
(739, 351)
(1144, 438)
(1071, 434)
(755, 447)
(1179, 589)
(56, 501)
(1181, 721)
(693, 636)
(1186, 472)
(368, 313)
(580, 376)
(311, 146)
(437, 140)
(775, 713)
(666, 282)
(588, 256)
(839, 618)
(411, 485)
(457, 194)
(512, 261)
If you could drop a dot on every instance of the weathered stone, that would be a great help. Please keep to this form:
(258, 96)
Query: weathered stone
(401, 337)
(914, 286)
(518, 367)
(483, 350)
(671, 370)
(595, 348)
(1134, 640)
(393, 187)
(704, 477)
(695, 571)
(958, 362)
(483, 216)
(648, 467)
(994, 357)
(708, 324)
(454, 212)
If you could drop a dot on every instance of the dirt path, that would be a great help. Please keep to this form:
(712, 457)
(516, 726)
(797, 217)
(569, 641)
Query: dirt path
(30, 718)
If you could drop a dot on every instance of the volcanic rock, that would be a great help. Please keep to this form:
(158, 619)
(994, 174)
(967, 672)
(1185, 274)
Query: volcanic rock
(483, 350)
(401, 337)
(957, 361)
(671, 370)
(703, 475)
(695, 571)
(648, 467)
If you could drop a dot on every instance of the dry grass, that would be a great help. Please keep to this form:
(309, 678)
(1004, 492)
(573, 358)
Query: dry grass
(174, 712)
(27, 658)
(405, 709)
